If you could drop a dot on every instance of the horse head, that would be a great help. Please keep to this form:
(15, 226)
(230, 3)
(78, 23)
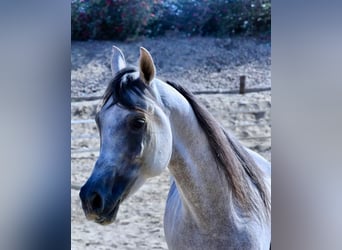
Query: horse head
(135, 138)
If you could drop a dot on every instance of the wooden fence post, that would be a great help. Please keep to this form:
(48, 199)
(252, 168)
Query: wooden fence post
(242, 85)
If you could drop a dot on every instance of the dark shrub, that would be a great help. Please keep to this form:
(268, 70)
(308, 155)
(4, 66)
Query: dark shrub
(110, 19)
(233, 17)
(127, 19)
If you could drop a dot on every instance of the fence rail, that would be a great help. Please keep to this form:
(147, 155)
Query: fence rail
(195, 92)
(92, 121)
(94, 150)
(82, 121)
(242, 90)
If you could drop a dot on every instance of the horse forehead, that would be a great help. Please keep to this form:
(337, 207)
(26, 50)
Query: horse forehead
(113, 112)
(132, 76)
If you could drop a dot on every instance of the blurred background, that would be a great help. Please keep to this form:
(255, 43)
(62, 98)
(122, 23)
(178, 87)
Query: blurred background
(35, 124)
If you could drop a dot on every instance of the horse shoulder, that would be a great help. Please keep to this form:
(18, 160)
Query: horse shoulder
(183, 233)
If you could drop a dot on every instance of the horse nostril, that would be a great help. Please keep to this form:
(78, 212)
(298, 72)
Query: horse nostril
(96, 202)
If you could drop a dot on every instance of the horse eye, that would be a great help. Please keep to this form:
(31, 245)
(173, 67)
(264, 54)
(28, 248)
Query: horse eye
(138, 123)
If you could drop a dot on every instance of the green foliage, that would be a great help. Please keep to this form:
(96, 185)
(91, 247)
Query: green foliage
(233, 17)
(127, 19)
(223, 17)
(110, 19)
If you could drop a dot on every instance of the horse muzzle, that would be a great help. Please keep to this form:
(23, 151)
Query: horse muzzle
(105, 218)
(101, 197)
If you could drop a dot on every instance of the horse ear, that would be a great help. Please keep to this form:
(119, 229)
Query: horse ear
(118, 61)
(146, 66)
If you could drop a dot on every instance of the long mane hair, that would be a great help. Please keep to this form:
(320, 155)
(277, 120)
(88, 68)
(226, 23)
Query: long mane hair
(239, 168)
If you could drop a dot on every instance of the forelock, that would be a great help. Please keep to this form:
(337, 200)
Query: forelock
(128, 90)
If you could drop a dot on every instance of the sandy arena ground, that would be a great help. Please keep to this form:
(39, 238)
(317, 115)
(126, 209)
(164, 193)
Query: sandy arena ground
(200, 64)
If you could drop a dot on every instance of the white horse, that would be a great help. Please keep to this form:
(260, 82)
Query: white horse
(220, 191)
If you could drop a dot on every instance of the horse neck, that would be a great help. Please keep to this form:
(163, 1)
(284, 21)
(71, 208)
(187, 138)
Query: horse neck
(203, 188)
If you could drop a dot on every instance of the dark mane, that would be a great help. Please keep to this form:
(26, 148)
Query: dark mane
(236, 163)
(129, 92)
